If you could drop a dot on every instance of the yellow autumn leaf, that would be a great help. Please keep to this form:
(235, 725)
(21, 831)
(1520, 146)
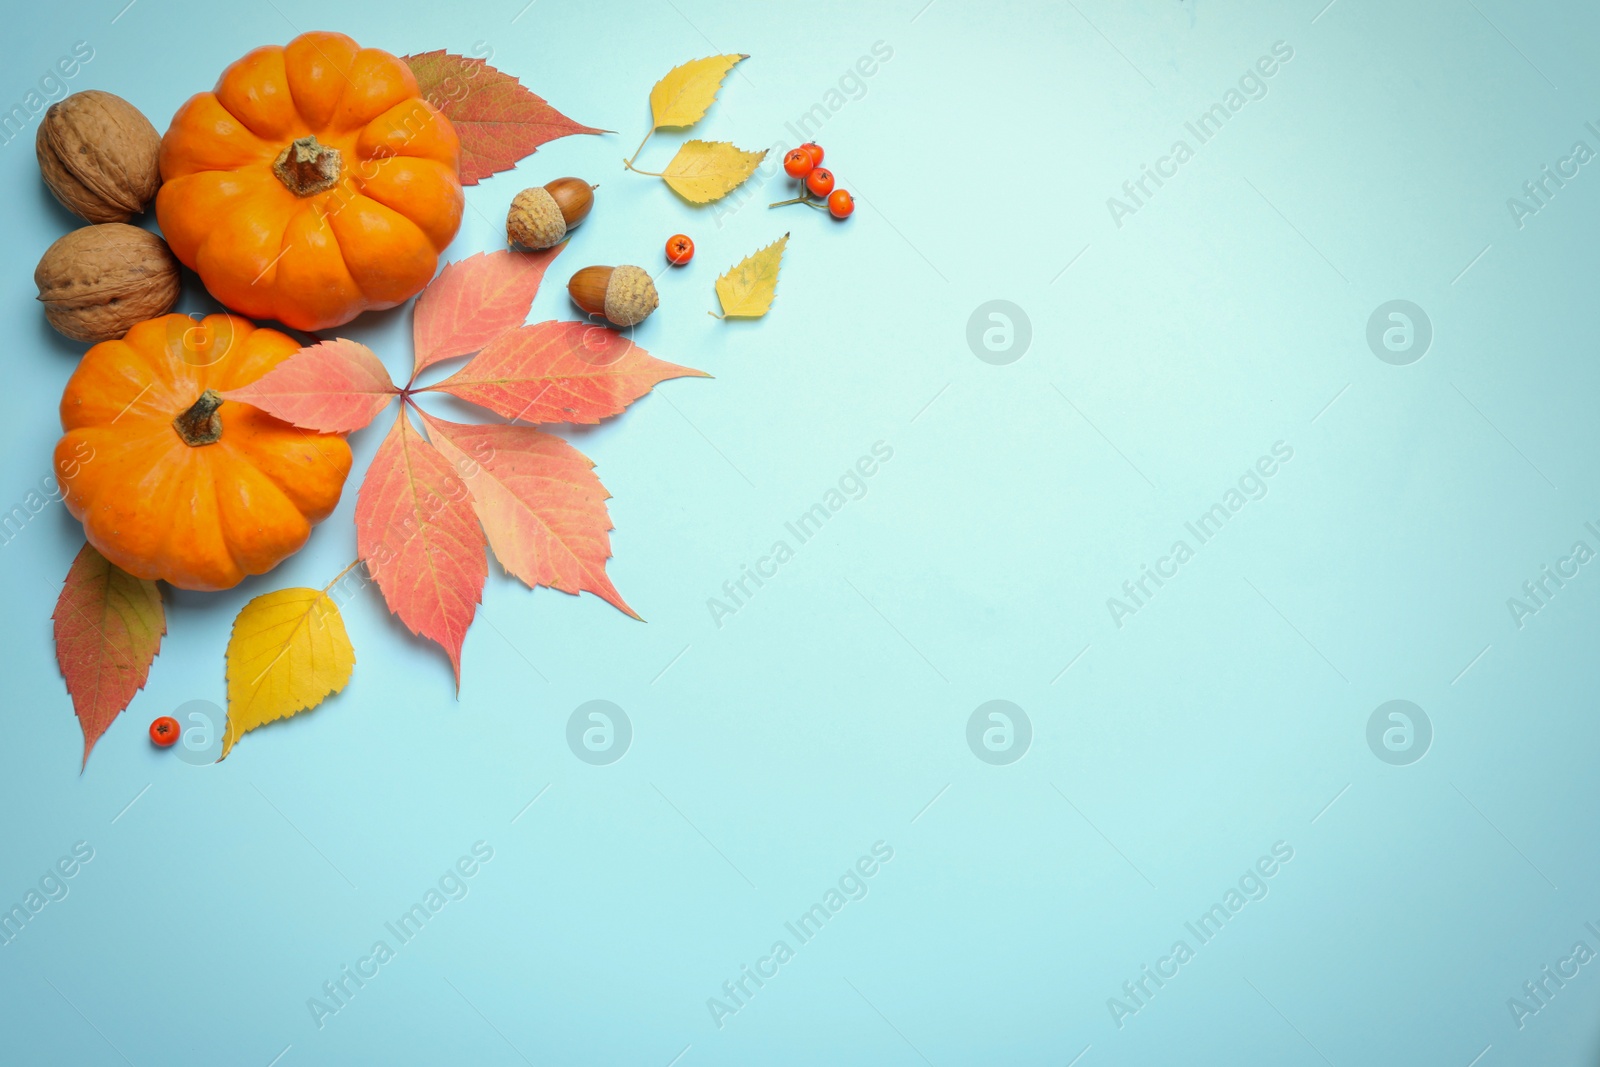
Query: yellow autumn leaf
(685, 94)
(747, 290)
(704, 171)
(288, 651)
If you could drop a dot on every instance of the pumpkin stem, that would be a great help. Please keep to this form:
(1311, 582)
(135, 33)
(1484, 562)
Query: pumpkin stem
(307, 166)
(201, 424)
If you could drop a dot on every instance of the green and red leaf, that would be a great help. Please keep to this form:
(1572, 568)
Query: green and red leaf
(108, 629)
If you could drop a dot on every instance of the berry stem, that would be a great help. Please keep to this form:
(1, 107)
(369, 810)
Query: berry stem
(803, 198)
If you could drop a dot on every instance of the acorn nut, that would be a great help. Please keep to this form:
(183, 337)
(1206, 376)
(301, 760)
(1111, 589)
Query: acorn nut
(624, 295)
(540, 217)
(99, 281)
(99, 155)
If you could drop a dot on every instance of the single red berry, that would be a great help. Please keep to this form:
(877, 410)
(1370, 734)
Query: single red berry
(164, 731)
(680, 249)
(841, 204)
(798, 163)
(820, 181)
(815, 151)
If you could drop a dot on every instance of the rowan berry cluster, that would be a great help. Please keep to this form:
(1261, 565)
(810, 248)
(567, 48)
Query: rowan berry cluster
(816, 182)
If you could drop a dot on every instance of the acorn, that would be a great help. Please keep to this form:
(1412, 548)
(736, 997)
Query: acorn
(624, 295)
(540, 217)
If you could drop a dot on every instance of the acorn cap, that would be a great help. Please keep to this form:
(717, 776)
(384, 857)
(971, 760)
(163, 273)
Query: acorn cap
(630, 296)
(534, 220)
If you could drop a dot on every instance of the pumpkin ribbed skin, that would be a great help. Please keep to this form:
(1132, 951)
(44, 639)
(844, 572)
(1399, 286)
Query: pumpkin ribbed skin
(199, 517)
(371, 240)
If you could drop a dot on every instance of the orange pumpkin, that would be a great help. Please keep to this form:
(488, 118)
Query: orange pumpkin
(173, 482)
(312, 184)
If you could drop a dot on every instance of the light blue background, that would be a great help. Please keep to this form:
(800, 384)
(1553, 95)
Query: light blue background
(770, 753)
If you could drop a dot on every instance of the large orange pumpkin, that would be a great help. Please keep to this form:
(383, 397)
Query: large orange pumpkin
(173, 482)
(312, 184)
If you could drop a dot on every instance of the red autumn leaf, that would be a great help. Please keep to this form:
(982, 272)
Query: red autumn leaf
(540, 503)
(560, 372)
(108, 628)
(498, 119)
(333, 387)
(475, 300)
(416, 530)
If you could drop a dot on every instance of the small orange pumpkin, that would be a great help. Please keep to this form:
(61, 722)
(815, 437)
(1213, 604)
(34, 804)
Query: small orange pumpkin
(313, 183)
(173, 482)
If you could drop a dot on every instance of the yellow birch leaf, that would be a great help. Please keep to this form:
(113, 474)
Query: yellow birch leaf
(704, 171)
(747, 290)
(684, 95)
(288, 651)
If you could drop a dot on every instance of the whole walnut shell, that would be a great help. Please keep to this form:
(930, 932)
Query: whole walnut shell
(99, 281)
(100, 156)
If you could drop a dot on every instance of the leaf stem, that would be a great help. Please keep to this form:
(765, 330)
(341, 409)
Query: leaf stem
(354, 564)
(629, 161)
(652, 173)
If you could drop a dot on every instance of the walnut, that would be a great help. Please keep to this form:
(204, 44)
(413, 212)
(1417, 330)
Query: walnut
(98, 281)
(99, 156)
